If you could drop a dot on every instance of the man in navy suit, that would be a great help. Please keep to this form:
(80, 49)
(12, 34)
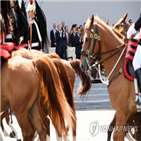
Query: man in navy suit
(76, 41)
(63, 26)
(66, 42)
(67, 39)
(60, 45)
(53, 36)
(79, 42)
(72, 36)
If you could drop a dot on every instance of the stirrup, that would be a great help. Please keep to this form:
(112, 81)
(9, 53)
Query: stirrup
(138, 100)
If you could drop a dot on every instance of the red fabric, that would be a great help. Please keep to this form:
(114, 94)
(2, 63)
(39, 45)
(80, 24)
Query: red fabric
(22, 46)
(1, 38)
(128, 56)
(31, 2)
(132, 50)
(5, 54)
(9, 46)
(132, 43)
(125, 71)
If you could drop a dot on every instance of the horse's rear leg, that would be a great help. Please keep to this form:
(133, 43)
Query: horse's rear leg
(37, 122)
(26, 127)
(74, 128)
(45, 119)
(111, 128)
(4, 114)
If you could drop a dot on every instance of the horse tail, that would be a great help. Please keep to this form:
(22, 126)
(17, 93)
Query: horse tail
(68, 89)
(85, 79)
(54, 99)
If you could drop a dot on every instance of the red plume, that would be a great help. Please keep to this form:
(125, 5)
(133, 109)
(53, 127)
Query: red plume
(31, 2)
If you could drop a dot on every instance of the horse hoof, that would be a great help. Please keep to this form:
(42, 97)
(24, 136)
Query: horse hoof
(12, 134)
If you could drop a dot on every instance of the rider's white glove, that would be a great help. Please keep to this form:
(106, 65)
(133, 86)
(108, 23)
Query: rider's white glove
(131, 31)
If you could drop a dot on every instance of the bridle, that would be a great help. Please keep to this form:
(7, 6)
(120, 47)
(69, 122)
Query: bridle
(90, 55)
(125, 27)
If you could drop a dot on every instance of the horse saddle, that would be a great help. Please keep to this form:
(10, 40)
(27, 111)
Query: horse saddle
(6, 49)
(128, 69)
(22, 46)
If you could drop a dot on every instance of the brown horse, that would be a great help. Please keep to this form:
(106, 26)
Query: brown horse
(76, 65)
(71, 68)
(73, 65)
(122, 95)
(24, 103)
(123, 25)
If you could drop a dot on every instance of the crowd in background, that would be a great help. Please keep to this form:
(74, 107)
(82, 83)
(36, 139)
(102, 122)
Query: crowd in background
(61, 38)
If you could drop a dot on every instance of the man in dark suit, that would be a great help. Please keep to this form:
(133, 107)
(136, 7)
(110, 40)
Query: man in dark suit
(67, 39)
(72, 36)
(66, 42)
(79, 42)
(63, 26)
(76, 41)
(53, 36)
(60, 46)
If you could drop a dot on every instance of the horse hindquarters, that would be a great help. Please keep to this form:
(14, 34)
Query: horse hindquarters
(58, 108)
(67, 87)
(23, 92)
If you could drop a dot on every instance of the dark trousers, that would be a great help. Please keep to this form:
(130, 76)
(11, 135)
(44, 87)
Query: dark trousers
(78, 55)
(65, 53)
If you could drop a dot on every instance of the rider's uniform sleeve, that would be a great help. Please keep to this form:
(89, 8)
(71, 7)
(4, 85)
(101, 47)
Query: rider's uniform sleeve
(138, 24)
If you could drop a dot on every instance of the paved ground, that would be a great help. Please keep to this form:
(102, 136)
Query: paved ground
(96, 98)
(94, 114)
(85, 120)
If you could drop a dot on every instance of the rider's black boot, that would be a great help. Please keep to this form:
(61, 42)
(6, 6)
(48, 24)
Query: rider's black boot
(138, 73)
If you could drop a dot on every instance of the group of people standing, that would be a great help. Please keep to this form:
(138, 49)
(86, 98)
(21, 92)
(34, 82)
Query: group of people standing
(15, 27)
(62, 39)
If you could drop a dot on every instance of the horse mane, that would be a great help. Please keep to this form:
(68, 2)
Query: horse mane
(117, 32)
(105, 26)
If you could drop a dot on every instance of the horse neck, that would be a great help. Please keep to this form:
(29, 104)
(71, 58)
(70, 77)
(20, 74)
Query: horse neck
(109, 43)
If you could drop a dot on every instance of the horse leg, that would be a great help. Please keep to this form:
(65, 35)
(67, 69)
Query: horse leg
(26, 127)
(111, 128)
(43, 114)
(119, 132)
(74, 129)
(37, 122)
(3, 115)
(138, 123)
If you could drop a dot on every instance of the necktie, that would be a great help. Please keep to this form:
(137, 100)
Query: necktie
(67, 39)
(55, 34)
